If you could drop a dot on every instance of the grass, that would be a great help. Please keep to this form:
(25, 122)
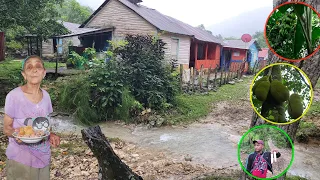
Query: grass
(9, 66)
(295, 178)
(192, 107)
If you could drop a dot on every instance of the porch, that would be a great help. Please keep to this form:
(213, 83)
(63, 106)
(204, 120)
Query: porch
(206, 54)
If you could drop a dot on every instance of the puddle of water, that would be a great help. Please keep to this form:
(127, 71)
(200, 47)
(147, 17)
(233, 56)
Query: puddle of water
(65, 124)
(166, 137)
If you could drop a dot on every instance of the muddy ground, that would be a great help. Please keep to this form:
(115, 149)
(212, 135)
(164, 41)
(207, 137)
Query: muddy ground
(184, 152)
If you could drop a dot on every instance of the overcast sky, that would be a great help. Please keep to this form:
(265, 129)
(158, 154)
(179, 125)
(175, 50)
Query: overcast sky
(196, 12)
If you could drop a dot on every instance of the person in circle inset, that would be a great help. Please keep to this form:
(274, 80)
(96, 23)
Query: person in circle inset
(259, 162)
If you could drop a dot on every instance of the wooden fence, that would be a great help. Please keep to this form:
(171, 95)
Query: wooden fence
(193, 79)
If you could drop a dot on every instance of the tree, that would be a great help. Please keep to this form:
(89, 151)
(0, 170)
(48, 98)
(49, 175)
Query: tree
(201, 26)
(72, 11)
(260, 39)
(231, 38)
(310, 67)
(36, 16)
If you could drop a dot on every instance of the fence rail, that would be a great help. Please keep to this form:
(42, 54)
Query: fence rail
(204, 80)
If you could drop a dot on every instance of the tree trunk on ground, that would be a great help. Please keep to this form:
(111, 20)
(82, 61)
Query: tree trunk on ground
(310, 66)
(110, 165)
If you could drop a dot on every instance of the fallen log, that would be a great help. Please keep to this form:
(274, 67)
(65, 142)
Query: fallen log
(110, 165)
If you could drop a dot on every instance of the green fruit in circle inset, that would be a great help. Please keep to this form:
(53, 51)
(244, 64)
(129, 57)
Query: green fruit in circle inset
(295, 108)
(278, 91)
(256, 84)
(262, 90)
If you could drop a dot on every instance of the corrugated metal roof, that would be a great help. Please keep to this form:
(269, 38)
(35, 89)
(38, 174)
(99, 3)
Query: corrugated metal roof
(170, 24)
(76, 31)
(163, 22)
(74, 28)
(240, 44)
(198, 33)
(157, 19)
(263, 53)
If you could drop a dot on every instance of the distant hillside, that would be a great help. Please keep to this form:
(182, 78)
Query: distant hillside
(248, 22)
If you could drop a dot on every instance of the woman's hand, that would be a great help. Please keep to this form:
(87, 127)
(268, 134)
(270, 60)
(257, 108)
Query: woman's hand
(54, 140)
(8, 126)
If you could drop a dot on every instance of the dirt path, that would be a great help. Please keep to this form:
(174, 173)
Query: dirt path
(210, 144)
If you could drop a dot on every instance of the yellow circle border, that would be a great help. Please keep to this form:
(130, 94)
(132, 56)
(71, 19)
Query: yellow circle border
(305, 111)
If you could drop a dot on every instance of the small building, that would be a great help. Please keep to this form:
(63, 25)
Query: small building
(78, 37)
(263, 57)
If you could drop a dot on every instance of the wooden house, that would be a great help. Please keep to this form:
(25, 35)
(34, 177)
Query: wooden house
(236, 51)
(189, 45)
(263, 57)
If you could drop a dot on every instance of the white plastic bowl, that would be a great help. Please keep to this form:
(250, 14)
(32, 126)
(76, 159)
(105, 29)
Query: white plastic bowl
(31, 140)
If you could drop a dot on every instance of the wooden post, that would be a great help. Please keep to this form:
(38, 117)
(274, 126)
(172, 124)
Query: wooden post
(193, 74)
(225, 75)
(200, 76)
(215, 76)
(181, 76)
(238, 69)
(230, 74)
(221, 75)
(208, 78)
(56, 70)
(206, 51)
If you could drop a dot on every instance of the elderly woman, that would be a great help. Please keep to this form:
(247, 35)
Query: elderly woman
(25, 104)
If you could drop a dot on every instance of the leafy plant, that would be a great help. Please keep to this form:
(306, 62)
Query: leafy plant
(129, 106)
(144, 70)
(106, 88)
(77, 60)
(293, 31)
(74, 97)
(89, 53)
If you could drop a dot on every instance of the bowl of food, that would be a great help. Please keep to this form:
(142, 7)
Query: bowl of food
(28, 135)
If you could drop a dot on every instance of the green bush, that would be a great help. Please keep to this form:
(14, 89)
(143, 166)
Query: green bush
(106, 88)
(74, 97)
(144, 70)
(89, 53)
(78, 61)
(129, 106)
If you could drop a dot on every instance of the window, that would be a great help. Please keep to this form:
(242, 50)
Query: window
(174, 48)
(236, 53)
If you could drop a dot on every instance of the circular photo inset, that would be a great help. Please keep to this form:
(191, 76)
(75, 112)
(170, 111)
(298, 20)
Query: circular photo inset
(281, 93)
(265, 152)
(292, 31)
